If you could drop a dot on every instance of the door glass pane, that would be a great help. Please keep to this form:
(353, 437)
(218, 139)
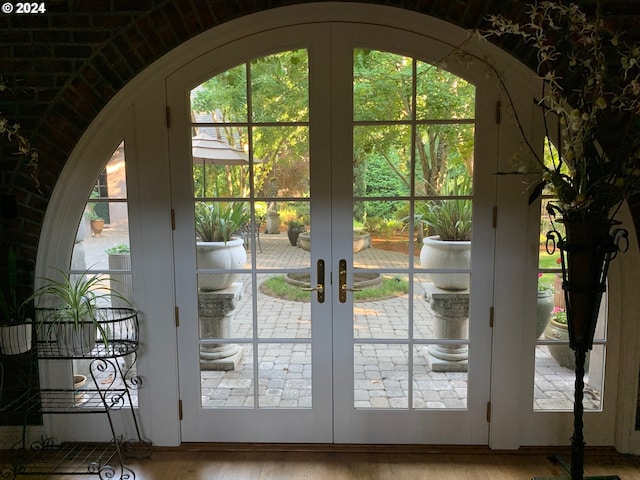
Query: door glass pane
(250, 187)
(554, 376)
(380, 375)
(221, 99)
(220, 162)
(442, 95)
(433, 389)
(281, 168)
(382, 84)
(284, 373)
(102, 248)
(412, 188)
(280, 87)
(382, 157)
(380, 234)
(233, 388)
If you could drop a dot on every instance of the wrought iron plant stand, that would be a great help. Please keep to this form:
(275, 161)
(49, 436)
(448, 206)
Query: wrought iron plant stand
(111, 361)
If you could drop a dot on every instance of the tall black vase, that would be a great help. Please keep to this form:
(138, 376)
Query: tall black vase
(586, 251)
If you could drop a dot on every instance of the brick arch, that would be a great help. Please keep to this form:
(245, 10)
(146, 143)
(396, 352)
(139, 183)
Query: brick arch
(80, 54)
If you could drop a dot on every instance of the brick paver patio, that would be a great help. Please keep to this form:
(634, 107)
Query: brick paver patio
(380, 370)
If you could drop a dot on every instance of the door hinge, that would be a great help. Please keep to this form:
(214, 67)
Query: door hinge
(495, 217)
(180, 409)
(488, 412)
(491, 317)
(177, 316)
(498, 111)
(167, 113)
(173, 219)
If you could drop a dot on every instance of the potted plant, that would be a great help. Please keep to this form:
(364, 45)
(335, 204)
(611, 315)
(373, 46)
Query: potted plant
(449, 245)
(217, 245)
(73, 320)
(96, 222)
(119, 259)
(15, 324)
(545, 301)
(558, 330)
(294, 228)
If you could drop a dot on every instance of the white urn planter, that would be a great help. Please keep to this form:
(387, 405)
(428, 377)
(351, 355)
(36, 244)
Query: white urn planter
(75, 340)
(439, 254)
(228, 255)
(15, 339)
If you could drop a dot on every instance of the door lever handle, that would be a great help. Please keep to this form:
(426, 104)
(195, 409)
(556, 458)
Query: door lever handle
(318, 288)
(347, 289)
(320, 285)
(342, 280)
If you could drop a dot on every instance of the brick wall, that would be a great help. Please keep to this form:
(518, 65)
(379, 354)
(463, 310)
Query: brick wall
(63, 66)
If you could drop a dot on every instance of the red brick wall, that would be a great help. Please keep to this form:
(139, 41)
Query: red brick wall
(64, 66)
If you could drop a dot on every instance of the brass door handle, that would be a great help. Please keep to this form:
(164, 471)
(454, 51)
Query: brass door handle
(320, 285)
(342, 280)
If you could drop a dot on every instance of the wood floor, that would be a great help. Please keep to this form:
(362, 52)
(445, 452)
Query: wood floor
(272, 462)
(246, 462)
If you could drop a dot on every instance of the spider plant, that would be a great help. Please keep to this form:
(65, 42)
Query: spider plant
(74, 299)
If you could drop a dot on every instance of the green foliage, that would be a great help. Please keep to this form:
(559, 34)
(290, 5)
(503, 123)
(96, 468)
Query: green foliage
(218, 221)
(75, 298)
(546, 282)
(559, 315)
(381, 227)
(451, 218)
(118, 249)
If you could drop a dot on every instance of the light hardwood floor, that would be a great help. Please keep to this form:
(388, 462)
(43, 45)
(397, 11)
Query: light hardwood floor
(245, 462)
(273, 462)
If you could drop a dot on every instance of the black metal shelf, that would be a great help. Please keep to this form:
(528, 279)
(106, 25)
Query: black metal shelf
(109, 388)
(54, 401)
(49, 350)
(117, 336)
(69, 459)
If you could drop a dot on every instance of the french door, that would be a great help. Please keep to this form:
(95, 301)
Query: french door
(341, 335)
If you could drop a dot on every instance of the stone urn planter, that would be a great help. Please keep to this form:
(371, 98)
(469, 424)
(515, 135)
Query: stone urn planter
(220, 256)
(446, 255)
(120, 282)
(545, 304)
(293, 232)
(361, 240)
(562, 354)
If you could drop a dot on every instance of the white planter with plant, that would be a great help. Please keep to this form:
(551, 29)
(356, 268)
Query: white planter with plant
(15, 326)
(119, 259)
(72, 320)
(217, 248)
(449, 248)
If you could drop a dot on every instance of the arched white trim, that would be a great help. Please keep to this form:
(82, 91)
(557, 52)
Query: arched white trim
(137, 113)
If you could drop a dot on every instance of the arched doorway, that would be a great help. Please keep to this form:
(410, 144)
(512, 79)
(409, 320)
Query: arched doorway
(162, 197)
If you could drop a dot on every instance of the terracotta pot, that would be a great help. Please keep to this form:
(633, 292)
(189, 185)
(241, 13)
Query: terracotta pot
(96, 227)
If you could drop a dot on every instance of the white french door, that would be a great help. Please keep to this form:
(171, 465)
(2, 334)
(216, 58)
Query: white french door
(342, 364)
